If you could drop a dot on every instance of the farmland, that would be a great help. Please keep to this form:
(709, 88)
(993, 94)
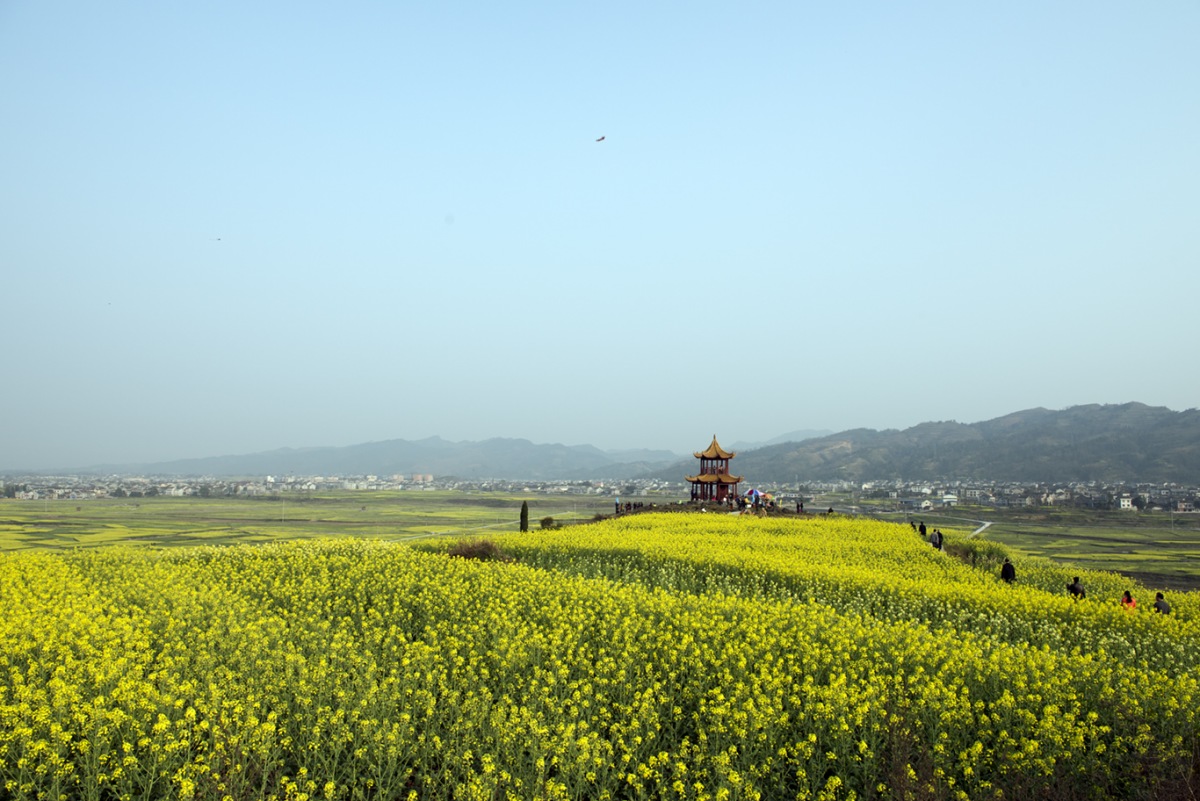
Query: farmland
(697, 656)
(175, 522)
(1159, 548)
(1155, 548)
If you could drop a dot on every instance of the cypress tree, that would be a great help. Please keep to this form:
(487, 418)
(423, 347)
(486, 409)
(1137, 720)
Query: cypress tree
(524, 515)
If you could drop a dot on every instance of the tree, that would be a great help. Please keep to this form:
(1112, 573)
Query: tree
(524, 515)
(547, 522)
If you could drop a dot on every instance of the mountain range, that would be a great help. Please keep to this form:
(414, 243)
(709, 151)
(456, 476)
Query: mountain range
(499, 458)
(1109, 443)
(1128, 442)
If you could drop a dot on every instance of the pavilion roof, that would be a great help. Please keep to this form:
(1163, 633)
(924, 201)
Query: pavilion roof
(714, 451)
(714, 478)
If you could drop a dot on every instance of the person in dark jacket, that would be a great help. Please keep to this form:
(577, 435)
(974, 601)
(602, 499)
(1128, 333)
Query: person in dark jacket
(1076, 589)
(1160, 604)
(1008, 572)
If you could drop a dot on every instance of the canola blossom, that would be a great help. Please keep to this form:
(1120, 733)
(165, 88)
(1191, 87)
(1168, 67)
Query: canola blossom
(878, 569)
(662, 656)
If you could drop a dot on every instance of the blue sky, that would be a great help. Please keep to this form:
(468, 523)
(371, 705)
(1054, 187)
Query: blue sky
(232, 227)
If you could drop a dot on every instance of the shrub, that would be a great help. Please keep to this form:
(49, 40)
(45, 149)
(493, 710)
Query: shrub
(483, 550)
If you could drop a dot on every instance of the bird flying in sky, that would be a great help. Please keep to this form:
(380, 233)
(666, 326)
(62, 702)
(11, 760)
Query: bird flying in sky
(601, 139)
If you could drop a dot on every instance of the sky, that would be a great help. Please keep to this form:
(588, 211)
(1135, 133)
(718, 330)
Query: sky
(231, 227)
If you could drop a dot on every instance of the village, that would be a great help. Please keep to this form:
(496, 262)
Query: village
(896, 494)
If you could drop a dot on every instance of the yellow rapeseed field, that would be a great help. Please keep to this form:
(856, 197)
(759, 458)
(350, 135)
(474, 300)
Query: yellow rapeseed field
(690, 656)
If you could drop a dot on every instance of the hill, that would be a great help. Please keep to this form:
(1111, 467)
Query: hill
(1128, 442)
(499, 458)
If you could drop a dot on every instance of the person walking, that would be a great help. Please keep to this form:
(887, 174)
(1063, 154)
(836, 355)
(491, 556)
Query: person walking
(1076, 589)
(1008, 572)
(1127, 602)
(1160, 604)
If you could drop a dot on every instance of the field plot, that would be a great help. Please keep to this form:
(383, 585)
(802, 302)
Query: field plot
(1159, 550)
(174, 522)
(1158, 555)
(1154, 548)
(658, 656)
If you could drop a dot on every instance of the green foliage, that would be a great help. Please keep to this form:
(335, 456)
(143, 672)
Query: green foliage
(524, 515)
(547, 522)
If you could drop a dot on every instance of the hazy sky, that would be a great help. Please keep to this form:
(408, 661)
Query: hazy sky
(229, 227)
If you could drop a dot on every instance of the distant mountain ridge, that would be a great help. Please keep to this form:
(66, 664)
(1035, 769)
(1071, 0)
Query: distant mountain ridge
(791, 436)
(1127, 442)
(516, 459)
(1111, 443)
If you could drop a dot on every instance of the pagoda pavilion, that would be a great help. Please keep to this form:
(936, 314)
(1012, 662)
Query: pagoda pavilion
(714, 483)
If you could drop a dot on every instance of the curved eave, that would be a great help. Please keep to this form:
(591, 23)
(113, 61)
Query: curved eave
(714, 479)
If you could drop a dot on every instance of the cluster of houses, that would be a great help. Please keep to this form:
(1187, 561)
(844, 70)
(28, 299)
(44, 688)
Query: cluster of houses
(899, 494)
(93, 487)
(1080, 495)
